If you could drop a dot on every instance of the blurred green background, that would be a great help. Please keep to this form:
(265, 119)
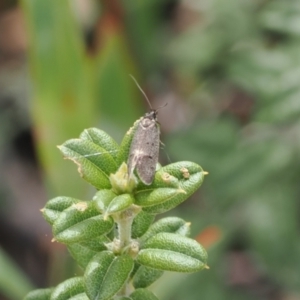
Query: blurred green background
(230, 73)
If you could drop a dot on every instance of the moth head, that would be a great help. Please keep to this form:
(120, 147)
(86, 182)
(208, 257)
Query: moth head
(149, 119)
(152, 115)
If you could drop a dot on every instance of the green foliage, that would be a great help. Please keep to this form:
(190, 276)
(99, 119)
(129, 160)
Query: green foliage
(239, 70)
(13, 282)
(70, 84)
(137, 252)
(237, 65)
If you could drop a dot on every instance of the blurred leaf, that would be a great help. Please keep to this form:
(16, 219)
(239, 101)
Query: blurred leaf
(13, 283)
(112, 68)
(272, 227)
(40, 294)
(63, 91)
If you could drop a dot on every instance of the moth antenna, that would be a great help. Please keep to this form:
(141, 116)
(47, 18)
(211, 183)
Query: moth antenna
(141, 90)
(162, 106)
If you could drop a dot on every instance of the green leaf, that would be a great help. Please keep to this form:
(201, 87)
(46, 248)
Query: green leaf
(102, 139)
(141, 224)
(173, 252)
(119, 203)
(145, 276)
(68, 289)
(103, 198)
(82, 296)
(108, 202)
(162, 179)
(39, 294)
(106, 274)
(143, 294)
(114, 88)
(80, 222)
(188, 185)
(157, 196)
(95, 164)
(83, 252)
(14, 284)
(55, 206)
(63, 98)
(126, 143)
(169, 224)
(176, 242)
(169, 261)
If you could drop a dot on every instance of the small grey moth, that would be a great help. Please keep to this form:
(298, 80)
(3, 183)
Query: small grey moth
(144, 148)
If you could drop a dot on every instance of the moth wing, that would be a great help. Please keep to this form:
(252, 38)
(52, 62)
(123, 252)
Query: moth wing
(146, 163)
(132, 163)
(136, 145)
(146, 169)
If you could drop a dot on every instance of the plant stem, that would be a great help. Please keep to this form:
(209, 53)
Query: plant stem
(124, 221)
(124, 228)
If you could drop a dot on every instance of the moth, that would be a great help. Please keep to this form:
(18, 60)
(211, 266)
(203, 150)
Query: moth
(144, 148)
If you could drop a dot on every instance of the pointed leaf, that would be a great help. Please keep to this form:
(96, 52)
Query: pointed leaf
(95, 164)
(102, 139)
(39, 294)
(167, 260)
(106, 274)
(143, 294)
(55, 206)
(173, 252)
(80, 222)
(68, 289)
(188, 185)
(178, 243)
(157, 196)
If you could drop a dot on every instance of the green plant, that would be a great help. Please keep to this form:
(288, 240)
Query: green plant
(113, 237)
